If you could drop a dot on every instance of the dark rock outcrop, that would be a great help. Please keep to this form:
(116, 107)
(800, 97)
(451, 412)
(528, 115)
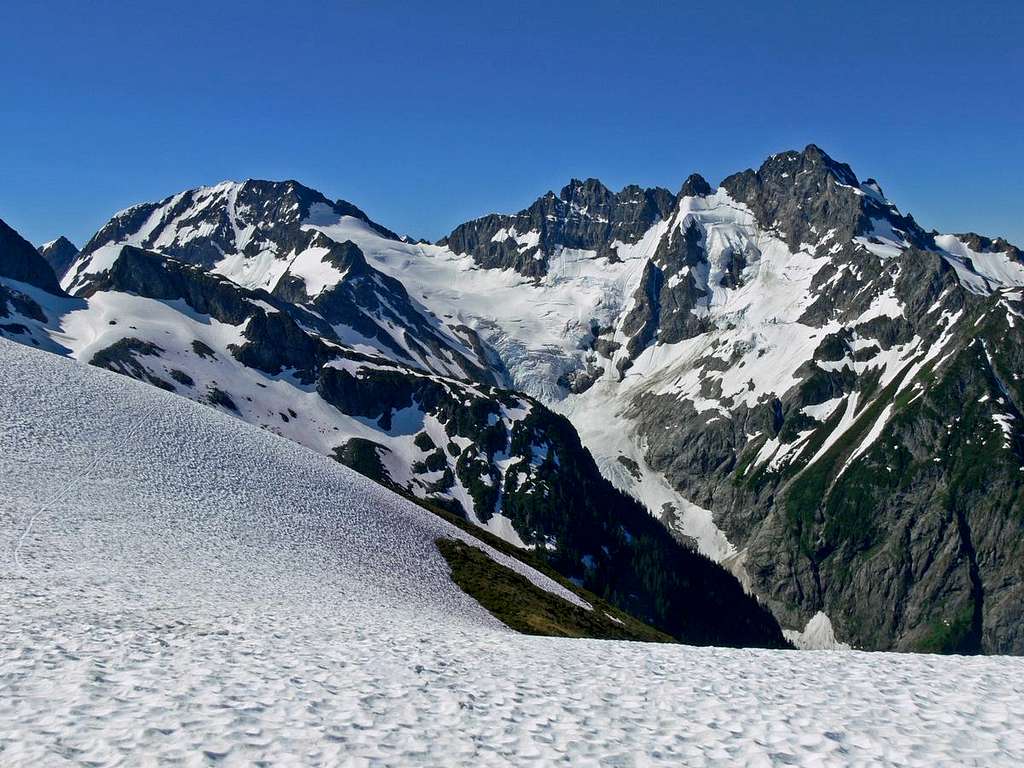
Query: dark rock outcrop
(670, 304)
(19, 260)
(60, 255)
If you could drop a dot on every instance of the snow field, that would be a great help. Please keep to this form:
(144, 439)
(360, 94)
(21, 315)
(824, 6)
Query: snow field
(194, 590)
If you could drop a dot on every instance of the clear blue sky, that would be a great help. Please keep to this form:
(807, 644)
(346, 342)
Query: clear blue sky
(429, 114)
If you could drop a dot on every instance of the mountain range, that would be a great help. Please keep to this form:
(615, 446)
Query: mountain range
(777, 401)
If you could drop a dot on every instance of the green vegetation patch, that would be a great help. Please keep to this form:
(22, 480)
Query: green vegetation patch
(950, 635)
(846, 511)
(523, 606)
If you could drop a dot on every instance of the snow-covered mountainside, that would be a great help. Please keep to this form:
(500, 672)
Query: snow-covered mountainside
(499, 459)
(259, 234)
(746, 365)
(784, 369)
(179, 586)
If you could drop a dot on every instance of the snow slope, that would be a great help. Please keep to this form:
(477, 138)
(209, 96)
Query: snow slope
(179, 586)
(82, 328)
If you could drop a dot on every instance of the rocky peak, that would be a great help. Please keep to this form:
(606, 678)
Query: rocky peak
(807, 171)
(695, 186)
(806, 195)
(814, 156)
(60, 254)
(585, 215)
(982, 244)
(19, 260)
(201, 225)
(584, 193)
(60, 243)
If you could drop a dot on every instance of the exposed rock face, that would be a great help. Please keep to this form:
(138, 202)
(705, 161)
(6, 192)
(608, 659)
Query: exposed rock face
(59, 254)
(804, 195)
(695, 186)
(668, 309)
(15, 302)
(894, 525)
(18, 314)
(885, 486)
(20, 261)
(123, 357)
(145, 273)
(586, 215)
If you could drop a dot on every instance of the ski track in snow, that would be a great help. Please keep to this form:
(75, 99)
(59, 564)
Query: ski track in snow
(213, 594)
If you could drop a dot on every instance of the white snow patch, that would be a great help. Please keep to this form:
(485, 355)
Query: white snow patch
(822, 411)
(980, 271)
(816, 636)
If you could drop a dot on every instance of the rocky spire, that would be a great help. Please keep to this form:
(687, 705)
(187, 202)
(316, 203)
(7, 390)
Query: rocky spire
(695, 186)
(59, 254)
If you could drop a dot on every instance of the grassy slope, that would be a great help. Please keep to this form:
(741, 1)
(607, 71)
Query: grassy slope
(521, 605)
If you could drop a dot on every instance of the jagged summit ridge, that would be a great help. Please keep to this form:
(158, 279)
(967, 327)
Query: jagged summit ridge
(586, 215)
